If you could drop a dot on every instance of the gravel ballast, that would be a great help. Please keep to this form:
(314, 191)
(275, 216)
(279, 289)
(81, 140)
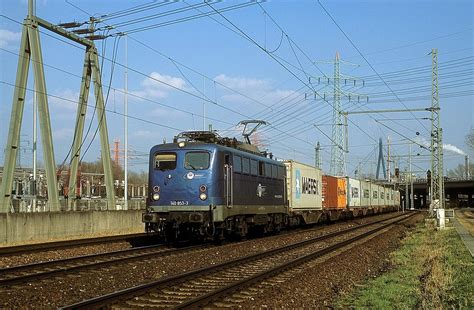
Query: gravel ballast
(319, 284)
(52, 293)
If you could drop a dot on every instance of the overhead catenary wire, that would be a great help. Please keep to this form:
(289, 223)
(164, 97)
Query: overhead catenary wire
(416, 42)
(135, 9)
(199, 91)
(243, 34)
(366, 60)
(218, 12)
(142, 19)
(167, 84)
(89, 105)
(281, 64)
(132, 94)
(186, 18)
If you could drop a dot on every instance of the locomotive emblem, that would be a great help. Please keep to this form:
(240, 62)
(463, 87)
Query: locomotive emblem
(261, 190)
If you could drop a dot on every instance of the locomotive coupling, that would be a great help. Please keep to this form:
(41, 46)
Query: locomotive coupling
(150, 218)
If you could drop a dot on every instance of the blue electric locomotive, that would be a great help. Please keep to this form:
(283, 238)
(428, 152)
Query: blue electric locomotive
(212, 187)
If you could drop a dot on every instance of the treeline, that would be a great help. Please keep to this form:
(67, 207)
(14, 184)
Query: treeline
(118, 172)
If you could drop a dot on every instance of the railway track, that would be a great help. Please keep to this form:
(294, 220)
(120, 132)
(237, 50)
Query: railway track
(36, 271)
(206, 286)
(23, 249)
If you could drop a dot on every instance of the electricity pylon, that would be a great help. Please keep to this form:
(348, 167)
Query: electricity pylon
(30, 49)
(338, 163)
(339, 128)
(437, 177)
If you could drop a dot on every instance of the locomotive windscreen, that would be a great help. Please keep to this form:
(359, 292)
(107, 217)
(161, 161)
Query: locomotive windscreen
(165, 161)
(196, 160)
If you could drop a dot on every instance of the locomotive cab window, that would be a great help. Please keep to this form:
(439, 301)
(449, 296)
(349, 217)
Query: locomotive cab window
(165, 161)
(196, 160)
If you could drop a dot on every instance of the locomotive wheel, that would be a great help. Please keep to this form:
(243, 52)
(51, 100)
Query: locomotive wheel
(243, 229)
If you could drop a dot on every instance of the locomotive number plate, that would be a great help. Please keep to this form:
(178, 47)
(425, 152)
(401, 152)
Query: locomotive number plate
(179, 203)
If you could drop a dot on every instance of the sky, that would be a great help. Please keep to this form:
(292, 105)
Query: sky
(268, 60)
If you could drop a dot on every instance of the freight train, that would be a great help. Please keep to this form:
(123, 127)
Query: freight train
(205, 186)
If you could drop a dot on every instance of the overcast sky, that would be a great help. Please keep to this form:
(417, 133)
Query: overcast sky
(255, 61)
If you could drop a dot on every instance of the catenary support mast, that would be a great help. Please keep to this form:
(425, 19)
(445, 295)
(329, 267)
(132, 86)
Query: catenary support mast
(437, 177)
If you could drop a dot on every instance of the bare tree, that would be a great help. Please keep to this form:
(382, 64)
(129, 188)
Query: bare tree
(460, 171)
(470, 138)
(259, 140)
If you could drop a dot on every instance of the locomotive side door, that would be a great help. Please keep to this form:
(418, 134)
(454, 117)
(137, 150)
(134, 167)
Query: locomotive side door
(228, 181)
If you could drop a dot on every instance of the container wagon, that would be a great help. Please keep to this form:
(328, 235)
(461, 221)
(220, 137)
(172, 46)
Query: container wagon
(304, 193)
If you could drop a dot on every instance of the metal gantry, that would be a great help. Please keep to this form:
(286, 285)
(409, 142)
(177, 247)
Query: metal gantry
(30, 50)
(437, 177)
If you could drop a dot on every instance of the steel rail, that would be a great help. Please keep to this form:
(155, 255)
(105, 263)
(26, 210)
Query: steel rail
(45, 269)
(27, 248)
(108, 299)
(231, 288)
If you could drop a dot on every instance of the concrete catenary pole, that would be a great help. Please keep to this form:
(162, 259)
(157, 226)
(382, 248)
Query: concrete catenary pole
(466, 166)
(412, 198)
(388, 160)
(317, 155)
(125, 189)
(406, 190)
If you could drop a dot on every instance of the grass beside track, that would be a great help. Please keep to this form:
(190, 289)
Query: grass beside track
(431, 270)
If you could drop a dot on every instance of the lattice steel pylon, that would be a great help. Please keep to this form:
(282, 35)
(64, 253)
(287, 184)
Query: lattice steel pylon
(337, 166)
(437, 177)
(30, 51)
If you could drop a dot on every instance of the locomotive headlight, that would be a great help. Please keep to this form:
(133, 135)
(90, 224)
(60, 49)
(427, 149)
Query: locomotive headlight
(202, 188)
(181, 144)
(156, 196)
(156, 188)
(203, 196)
